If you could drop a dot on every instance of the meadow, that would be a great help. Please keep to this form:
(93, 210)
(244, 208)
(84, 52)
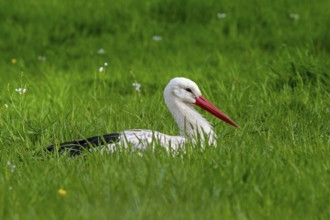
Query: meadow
(67, 70)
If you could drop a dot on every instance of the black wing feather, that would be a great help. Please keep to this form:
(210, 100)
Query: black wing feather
(76, 147)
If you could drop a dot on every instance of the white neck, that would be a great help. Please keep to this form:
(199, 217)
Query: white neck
(190, 122)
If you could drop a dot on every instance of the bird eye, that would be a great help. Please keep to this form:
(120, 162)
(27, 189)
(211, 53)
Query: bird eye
(188, 90)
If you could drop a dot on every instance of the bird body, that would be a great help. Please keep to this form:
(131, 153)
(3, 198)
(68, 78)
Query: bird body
(141, 139)
(180, 94)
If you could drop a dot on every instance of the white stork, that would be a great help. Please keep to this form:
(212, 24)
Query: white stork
(181, 94)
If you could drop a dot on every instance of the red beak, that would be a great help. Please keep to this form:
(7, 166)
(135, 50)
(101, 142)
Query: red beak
(208, 106)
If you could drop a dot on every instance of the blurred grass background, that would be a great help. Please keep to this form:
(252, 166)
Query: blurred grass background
(264, 63)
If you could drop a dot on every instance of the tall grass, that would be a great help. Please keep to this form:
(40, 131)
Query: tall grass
(264, 63)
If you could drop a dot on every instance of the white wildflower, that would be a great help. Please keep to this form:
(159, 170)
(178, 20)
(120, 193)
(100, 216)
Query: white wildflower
(294, 16)
(105, 64)
(42, 58)
(11, 166)
(221, 15)
(101, 51)
(20, 90)
(137, 86)
(101, 69)
(156, 38)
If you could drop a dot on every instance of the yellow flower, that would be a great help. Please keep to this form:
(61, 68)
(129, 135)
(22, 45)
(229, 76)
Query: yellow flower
(62, 192)
(13, 61)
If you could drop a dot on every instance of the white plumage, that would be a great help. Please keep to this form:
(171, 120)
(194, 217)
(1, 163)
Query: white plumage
(141, 139)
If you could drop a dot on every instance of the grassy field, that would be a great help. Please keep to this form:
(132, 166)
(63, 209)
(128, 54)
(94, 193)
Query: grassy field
(265, 63)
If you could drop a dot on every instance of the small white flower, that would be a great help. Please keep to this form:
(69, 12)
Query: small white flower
(20, 90)
(42, 58)
(156, 38)
(101, 51)
(101, 69)
(105, 64)
(11, 166)
(137, 86)
(294, 16)
(221, 15)
(12, 169)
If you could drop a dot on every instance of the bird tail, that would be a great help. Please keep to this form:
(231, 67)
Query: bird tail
(76, 147)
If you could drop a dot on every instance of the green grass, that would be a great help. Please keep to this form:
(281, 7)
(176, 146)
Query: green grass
(265, 69)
